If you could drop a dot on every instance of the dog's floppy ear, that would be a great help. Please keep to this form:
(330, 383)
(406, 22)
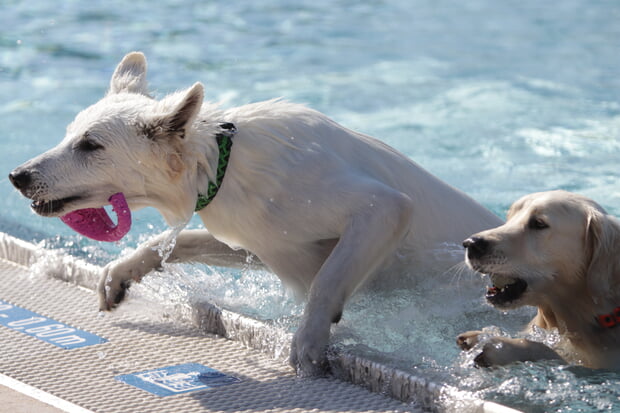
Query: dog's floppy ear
(603, 244)
(518, 205)
(130, 75)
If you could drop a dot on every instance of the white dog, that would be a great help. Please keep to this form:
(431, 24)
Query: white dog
(321, 206)
(559, 252)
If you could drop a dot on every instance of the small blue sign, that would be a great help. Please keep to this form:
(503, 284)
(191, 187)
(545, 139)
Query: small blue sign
(45, 329)
(182, 378)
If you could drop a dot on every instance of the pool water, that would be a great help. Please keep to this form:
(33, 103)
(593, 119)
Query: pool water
(497, 98)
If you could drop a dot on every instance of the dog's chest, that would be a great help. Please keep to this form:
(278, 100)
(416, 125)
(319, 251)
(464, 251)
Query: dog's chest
(225, 230)
(238, 225)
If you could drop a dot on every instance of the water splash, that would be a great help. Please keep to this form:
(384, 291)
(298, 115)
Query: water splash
(474, 101)
(166, 246)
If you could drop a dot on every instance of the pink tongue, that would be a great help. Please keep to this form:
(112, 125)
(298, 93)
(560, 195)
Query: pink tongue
(96, 224)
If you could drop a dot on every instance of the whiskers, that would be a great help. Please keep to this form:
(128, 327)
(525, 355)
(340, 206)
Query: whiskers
(459, 272)
(37, 193)
(41, 203)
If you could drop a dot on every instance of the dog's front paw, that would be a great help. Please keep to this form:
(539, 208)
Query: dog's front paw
(114, 282)
(500, 351)
(490, 355)
(467, 340)
(308, 350)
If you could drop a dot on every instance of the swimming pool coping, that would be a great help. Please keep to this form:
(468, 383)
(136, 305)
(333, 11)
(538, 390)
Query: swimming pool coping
(270, 339)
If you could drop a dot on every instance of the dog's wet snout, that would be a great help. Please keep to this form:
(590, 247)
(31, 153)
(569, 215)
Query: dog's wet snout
(20, 178)
(476, 246)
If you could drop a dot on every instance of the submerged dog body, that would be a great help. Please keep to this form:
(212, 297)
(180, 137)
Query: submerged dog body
(559, 252)
(321, 206)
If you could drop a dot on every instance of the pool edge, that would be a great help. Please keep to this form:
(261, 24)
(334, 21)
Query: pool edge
(258, 335)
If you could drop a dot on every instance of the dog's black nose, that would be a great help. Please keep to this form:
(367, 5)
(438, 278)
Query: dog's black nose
(476, 246)
(20, 178)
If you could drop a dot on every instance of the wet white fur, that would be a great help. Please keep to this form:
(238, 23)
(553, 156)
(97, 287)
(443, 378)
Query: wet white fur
(320, 205)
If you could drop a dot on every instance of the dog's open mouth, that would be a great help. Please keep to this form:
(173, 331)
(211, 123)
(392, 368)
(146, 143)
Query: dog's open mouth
(505, 289)
(51, 207)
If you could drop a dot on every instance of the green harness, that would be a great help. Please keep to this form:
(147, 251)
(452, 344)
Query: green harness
(224, 144)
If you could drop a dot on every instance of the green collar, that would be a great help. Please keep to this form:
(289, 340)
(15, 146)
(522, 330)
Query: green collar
(224, 144)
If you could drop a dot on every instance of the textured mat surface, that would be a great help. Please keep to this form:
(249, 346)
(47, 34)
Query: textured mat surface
(136, 342)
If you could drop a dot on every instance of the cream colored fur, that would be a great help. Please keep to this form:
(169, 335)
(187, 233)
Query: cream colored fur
(323, 207)
(567, 249)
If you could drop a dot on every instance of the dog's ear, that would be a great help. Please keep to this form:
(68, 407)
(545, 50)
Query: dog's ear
(130, 75)
(164, 128)
(518, 205)
(185, 111)
(603, 252)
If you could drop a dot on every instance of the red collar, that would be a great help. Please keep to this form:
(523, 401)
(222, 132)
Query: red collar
(609, 320)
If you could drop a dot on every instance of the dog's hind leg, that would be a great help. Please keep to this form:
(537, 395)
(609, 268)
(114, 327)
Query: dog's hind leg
(190, 246)
(380, 220)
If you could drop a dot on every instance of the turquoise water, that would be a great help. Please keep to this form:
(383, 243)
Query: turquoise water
(497, 98)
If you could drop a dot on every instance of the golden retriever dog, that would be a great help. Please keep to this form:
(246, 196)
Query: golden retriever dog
(323, 207)
(559, 252)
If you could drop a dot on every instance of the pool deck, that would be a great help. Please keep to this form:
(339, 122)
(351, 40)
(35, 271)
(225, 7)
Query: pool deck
(17, 402)
(38, 375)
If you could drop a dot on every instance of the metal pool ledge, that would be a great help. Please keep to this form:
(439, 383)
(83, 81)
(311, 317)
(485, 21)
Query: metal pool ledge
(206, 317)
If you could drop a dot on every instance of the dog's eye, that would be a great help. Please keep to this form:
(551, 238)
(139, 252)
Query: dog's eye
(537, 223)
(87, 144)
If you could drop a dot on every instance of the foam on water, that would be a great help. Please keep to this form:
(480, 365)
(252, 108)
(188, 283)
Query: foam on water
(497, 98)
